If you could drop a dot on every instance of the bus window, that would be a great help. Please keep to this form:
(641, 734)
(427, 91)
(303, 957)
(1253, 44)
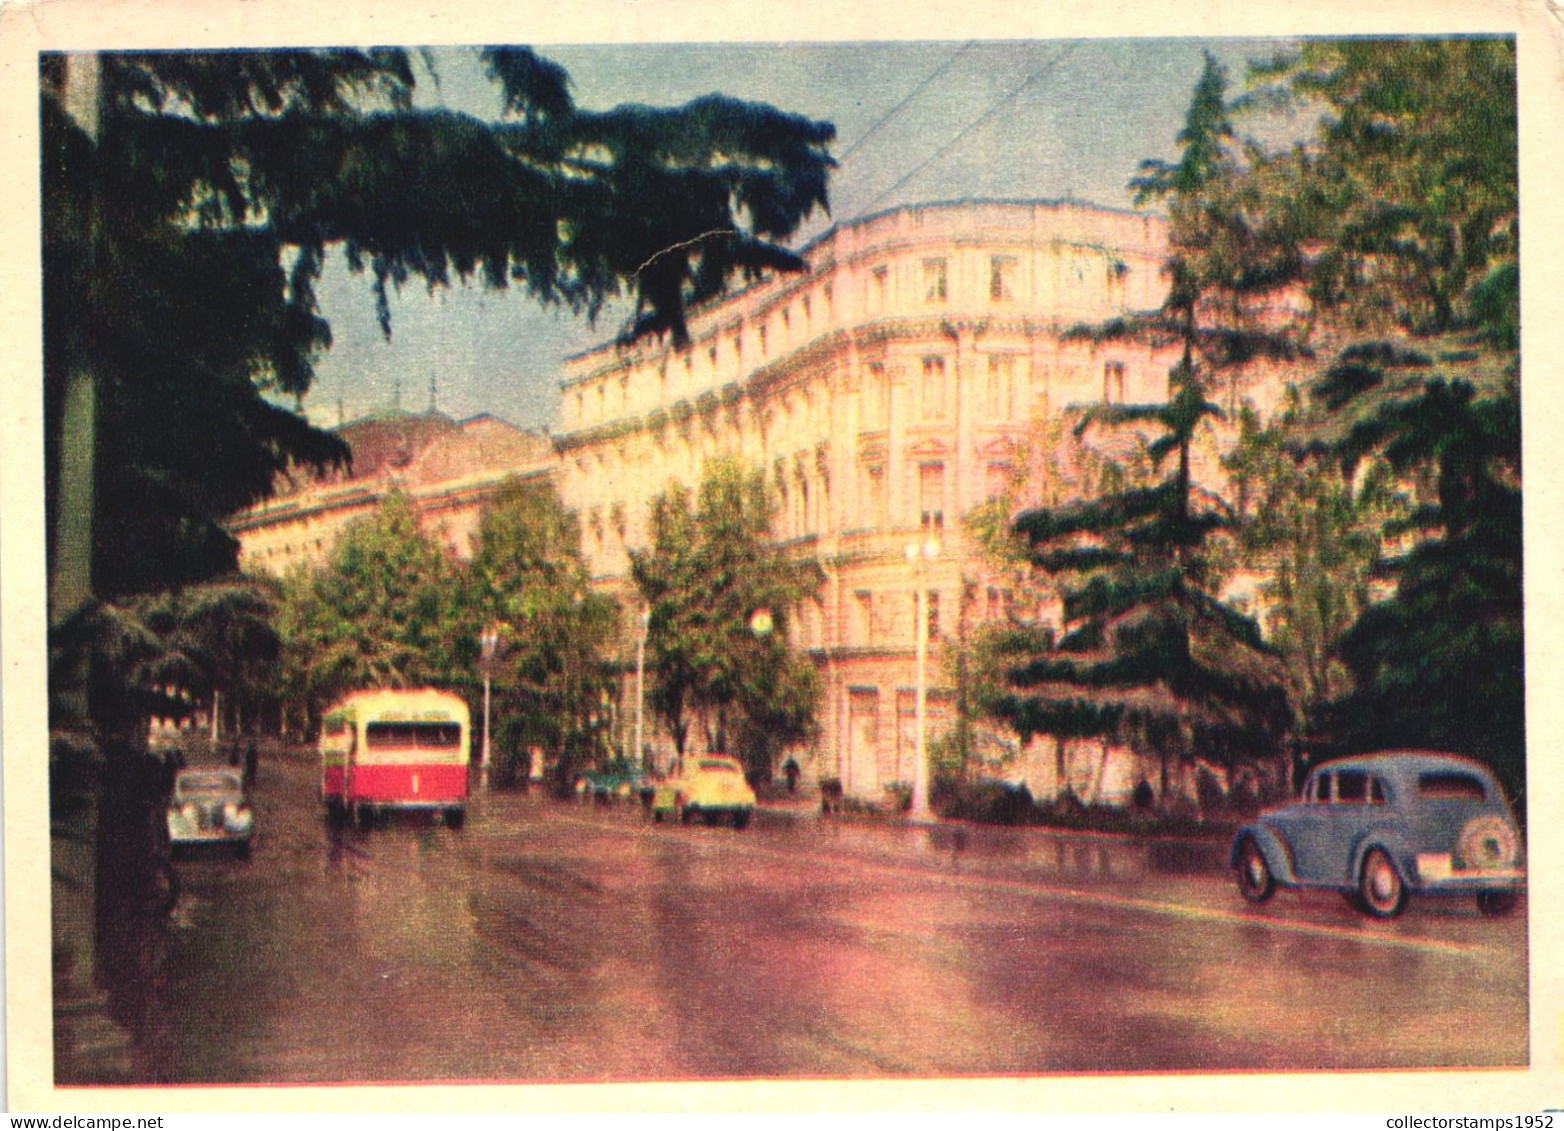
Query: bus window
(416, 736)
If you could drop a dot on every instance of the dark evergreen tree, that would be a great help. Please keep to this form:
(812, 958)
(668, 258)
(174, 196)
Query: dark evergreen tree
(188, 215)
(1149, 656)
(1441, 665)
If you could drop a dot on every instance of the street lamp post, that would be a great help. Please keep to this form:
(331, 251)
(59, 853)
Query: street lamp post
(917, 554)
(640, 685)
(488, 645)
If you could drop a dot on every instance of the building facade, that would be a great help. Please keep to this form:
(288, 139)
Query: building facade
(887, 391)
(448, 468)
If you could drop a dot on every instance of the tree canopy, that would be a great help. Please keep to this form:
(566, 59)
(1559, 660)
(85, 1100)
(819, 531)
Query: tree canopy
(1408, 194)
(550, 670)
(721, 596)
(187, 223)
(378, 614)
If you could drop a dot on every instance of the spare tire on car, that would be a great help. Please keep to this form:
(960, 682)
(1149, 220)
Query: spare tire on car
(1485, 844)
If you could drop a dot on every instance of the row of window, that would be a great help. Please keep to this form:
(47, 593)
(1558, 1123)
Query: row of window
(878, 617)
(677, 372)
(1002, 287)
(1000, 395)
(1004, 273)
(805, 503)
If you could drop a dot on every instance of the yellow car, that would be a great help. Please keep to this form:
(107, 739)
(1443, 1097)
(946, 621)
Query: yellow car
(709, 786)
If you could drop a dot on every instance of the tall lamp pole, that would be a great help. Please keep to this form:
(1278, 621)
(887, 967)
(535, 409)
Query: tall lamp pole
(917, 554)
(488, 648)
(640, 685)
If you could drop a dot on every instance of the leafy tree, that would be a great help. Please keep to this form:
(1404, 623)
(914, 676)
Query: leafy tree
(220, 640)
(1316, 534)
(162, 654)
(378, 614)
(1149, 655)
(188, 215)
(721, 595)
(550, 676)
(1409, 188)
(1410, 196)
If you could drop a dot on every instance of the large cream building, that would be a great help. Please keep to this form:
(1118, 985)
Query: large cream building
(887, 391)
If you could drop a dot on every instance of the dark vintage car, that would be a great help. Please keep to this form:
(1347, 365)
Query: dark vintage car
(1380, 827)
(617, 780)
(208, 806)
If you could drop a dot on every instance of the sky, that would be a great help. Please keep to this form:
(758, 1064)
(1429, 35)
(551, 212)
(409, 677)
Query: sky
(915, 122)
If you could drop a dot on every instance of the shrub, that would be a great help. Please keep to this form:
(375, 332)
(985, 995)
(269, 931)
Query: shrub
(989, 803)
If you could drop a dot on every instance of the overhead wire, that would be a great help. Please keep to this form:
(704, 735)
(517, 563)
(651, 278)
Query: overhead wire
(900, 106)
(992, 110)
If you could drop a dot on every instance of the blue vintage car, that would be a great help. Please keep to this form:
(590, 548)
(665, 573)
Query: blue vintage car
(1379, 827)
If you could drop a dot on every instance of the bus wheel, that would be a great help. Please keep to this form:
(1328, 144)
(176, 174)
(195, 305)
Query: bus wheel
(455, 817)
(363, 816)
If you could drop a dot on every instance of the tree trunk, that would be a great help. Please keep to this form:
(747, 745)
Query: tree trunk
(70, 586)
(1102, 773)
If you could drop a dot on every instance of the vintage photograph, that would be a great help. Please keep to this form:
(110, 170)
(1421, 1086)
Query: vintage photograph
(813, 561)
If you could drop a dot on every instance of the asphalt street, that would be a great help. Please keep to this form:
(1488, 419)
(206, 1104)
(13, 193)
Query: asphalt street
(547, 941)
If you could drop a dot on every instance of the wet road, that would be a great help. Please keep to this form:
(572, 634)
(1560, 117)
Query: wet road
(551, 942)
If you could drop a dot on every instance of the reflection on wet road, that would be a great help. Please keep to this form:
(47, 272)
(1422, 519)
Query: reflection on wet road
(549, 942)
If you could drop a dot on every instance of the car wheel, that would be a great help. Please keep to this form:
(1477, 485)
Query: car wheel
(1255, 882)
(1380, 887)
(242, 850)
(687, 813)
(740, 818)
(711, 817)
(1492, 903)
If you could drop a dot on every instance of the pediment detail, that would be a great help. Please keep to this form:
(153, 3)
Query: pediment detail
(1002, 447)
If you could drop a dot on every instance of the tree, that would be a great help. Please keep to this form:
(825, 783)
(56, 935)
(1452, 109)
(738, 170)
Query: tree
(1442, 664)
(721, 595)
(1410, 185)
(220, 641)
(163, 654)
(188, 218)
(1410, 193)
(380, 613)
(528, 581)
(1316, 533)
(1149, 655)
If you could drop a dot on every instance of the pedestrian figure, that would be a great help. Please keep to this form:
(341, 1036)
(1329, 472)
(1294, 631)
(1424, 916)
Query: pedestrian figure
(790, 771)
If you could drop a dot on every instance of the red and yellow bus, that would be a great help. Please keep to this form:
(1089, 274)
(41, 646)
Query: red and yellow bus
(382, 750)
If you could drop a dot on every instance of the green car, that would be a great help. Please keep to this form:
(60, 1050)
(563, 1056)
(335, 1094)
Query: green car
(618, 780)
